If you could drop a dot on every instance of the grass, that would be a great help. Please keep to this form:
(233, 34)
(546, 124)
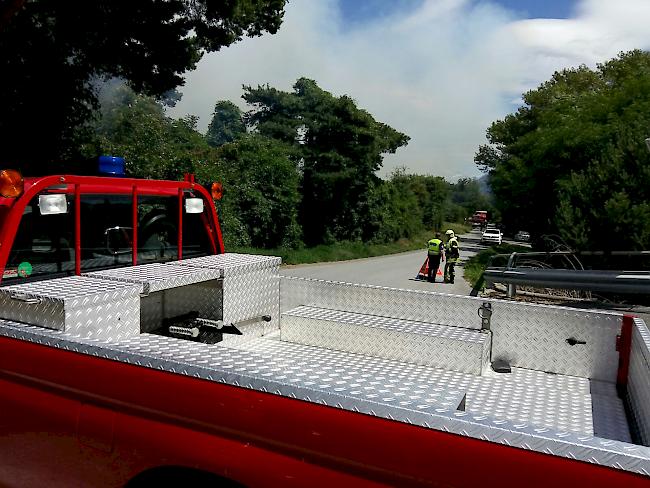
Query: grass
(474, 266)
(342, 251)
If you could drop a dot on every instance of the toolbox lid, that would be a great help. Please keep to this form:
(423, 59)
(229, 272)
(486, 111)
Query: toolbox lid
(157, 276)
(231, 263)
(82, 290)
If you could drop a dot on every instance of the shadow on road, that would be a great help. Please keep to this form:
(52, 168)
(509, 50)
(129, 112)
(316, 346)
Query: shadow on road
(472, 239)
(473, 247)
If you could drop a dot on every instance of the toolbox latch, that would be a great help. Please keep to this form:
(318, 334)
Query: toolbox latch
(485, 313)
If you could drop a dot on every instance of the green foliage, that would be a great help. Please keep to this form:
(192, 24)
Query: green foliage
(53, 52)
(466, 198)
(261, 182)
(227, 124)
(406, 204)
(344, 250)
(474, 266)
(153, 145)
(340, 148)
(572, 160)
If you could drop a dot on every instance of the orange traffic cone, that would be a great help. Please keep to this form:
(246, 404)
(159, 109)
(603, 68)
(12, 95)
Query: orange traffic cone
(424, 271)
(423, 274)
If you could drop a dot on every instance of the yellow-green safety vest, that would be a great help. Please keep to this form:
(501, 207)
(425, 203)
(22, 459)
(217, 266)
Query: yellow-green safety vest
(434, 246)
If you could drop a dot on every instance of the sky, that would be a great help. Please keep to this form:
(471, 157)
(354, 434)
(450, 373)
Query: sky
(440, 71)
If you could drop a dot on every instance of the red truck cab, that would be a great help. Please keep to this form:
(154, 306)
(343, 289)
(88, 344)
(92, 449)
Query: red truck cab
(100, 223)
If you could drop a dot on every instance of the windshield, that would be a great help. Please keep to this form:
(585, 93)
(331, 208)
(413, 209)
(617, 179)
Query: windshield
(44, 244)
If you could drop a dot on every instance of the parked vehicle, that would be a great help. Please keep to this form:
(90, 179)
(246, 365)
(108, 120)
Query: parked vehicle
(522, 236)
(134, 349)
(491, 236)
(479, 218)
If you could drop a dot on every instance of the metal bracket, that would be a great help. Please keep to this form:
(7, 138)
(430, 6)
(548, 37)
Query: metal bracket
(572, 341)
(21, 297)
(184, 331)
(485, 313)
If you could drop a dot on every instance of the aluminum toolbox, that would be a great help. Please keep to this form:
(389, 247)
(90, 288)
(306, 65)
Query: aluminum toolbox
(81, 306)
(157, 276)
(170, 291)
(251, 290)
(438, 346)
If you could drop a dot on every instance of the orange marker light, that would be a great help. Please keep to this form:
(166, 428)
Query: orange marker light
(11, 183)
(216, 190)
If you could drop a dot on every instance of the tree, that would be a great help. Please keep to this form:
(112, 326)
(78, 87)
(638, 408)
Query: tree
(53, 52)
(406, 204)
(571, 160)
(227, 124)
(340, 148)
(467, 197)
(153, 145)
(260, 203)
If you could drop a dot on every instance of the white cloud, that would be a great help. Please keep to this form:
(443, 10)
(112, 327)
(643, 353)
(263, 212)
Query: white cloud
(441, 74)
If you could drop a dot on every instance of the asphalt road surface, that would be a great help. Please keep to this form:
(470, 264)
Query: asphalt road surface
(394, 270)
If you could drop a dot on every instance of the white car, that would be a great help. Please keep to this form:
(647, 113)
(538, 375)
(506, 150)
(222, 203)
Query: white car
(492, 236)
(522, 236)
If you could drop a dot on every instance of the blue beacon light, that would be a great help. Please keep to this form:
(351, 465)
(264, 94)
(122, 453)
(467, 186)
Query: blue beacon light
(111, 166)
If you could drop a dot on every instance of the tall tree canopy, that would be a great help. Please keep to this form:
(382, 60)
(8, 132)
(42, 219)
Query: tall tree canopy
(572, 159)
(339, 147)
(53, 52)
(227, 124)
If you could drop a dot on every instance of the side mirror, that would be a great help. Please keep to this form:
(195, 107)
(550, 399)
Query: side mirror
(52, 204)
(119, 240)
(193, 205)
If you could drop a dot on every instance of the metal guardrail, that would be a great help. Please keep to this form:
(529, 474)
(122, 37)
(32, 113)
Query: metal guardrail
(512, 257)
(623, 282)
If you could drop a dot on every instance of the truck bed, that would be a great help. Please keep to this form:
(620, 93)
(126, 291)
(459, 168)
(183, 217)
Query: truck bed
(414, 357)
(558, 411)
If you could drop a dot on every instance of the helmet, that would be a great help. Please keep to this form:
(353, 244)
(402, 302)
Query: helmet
(449, 233)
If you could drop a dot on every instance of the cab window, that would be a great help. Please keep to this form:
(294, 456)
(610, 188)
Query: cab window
(44, 244)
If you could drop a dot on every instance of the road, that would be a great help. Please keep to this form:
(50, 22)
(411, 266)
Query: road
(399, 270)
(395, 270)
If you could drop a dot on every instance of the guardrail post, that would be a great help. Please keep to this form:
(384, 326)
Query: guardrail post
(512, 288)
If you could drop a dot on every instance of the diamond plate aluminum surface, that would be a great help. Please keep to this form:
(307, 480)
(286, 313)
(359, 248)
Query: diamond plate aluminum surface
(232, 263)
(535, 337)
(230, 366)
(205, 298)
(524, 335)
(251, 295)
(81, 306)
(250, 289)
(151, 312)
(551, 401)
(433, 345)
(158, 276)
(638, 393)
(610, 420)
(421, 306)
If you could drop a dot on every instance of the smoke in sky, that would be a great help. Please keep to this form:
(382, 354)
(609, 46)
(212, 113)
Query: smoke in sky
(441, 73)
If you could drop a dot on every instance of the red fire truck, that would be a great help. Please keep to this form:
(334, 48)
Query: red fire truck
(479, 218)
(135, 351)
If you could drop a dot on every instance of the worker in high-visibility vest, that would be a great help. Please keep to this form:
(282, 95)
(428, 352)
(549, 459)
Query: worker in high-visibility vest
(435, 252)
(452, 251)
